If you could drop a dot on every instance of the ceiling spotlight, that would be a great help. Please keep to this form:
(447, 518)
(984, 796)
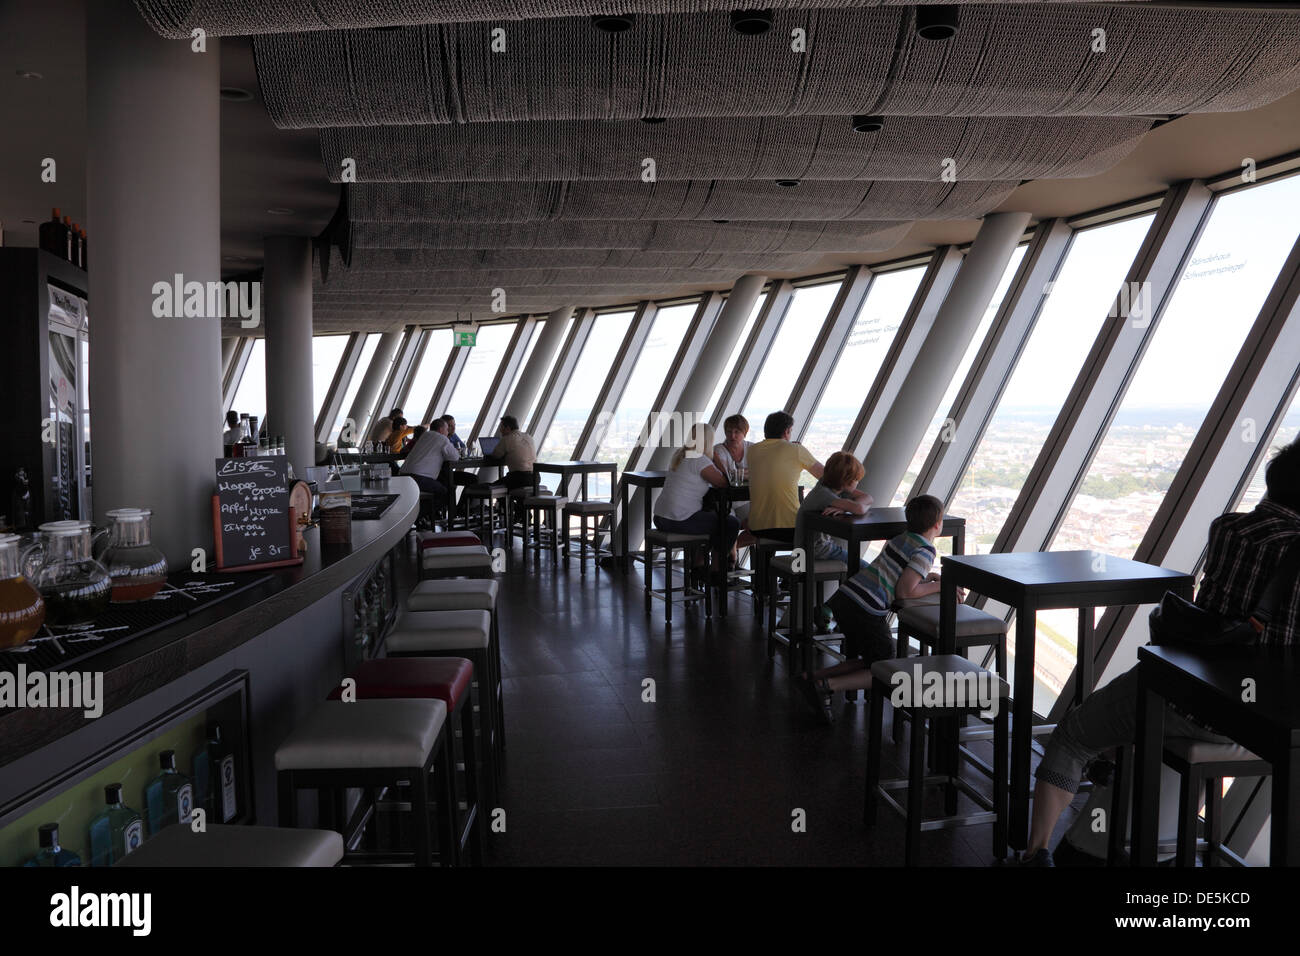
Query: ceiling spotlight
(29, 74)
(613, 22)
(652, 119)
(722, 222)
(868, 124)
(280, 211)
(751, 23)
(937, 21)
(788, 183)
(233, 94)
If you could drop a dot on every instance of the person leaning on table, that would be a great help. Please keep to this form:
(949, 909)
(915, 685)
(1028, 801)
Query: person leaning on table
(1243, 551)
(775, 465)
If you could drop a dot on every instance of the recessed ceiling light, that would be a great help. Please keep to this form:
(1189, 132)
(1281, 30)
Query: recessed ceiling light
(751, 23)
(613, 22)
(29, 74)
(722, 222)
(280, 211)
(652, 119)
(868, 124)
(233, 94)
(937, 21)
(788, 183)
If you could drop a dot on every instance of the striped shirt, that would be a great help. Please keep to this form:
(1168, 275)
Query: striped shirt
(1243, 551)
(872, 588)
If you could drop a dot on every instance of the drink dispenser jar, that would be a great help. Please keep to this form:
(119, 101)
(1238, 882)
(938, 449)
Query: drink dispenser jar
(137, 568)
(22, 610)
(74, 585)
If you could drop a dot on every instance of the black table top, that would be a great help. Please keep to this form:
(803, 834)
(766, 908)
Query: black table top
(574, 467)
(1222, 671)
(876, 522)
(645, 477)
(1053, 570)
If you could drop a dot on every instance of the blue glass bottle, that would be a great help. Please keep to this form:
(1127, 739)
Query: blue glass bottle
(51, 854)
(115, 832)
(169, 798)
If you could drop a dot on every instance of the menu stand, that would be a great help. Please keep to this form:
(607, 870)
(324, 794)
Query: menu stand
(260, 565)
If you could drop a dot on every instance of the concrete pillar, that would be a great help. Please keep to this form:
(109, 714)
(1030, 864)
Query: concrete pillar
(371, 383)
(941, 352)
(533, 377)
(286, 313)
(153, 191)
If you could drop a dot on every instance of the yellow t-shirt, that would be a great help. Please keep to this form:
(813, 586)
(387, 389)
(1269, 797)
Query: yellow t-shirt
(774, 469)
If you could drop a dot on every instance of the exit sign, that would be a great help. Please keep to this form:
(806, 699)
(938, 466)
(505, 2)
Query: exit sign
(465, 336)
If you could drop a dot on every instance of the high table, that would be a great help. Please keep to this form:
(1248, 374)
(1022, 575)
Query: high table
(568, 470)
(1047, 580)
(722, 498)
(878, 524)
(649, 480)
(448, 477)
(1210, 683)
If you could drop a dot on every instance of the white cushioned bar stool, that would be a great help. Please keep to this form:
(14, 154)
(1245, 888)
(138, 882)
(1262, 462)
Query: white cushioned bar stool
(930, 687)
(223, 845)
(670, 543)
(468, 634)
(373, 744)
(470, 561)
(975, 628)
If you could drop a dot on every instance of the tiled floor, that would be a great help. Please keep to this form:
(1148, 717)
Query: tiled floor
(713, 771)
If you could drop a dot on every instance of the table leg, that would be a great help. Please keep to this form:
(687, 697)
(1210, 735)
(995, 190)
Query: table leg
(959, 541)
(724, 509)
(1084, 679)
(1146, 773)
(1284, 839)
(1022, 721)
(948, 759)
(624, 560)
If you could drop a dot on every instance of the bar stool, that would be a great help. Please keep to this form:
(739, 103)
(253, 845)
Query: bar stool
(468, 561)
(599, 511)
(535, 508)
(460, 634)
(822, 569)
(975, 628)
(481, 510)
(670, 543)
(224, 845)
(953, 674)
(516, 511)
(372, 744)
(446, 679)
(1201, 767)
(448, 539)
(760, 552)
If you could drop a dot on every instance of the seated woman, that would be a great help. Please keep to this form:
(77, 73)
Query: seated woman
(397, 437)
(680, 507)
(732, 459)
(835, 493)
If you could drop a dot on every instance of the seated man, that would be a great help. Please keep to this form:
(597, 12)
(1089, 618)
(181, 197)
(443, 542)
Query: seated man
(517, 450)
(774, 468)
(452, 436)
(1244, 549)
(425, 460)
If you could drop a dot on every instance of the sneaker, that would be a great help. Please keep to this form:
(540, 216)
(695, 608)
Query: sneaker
(1042, 858)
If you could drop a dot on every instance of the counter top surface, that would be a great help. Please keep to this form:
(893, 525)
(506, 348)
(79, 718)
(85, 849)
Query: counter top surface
(137, 667)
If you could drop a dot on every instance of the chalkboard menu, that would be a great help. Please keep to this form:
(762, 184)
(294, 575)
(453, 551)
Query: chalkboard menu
(251, 518)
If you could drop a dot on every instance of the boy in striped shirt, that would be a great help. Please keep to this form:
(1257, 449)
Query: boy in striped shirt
(902, 570)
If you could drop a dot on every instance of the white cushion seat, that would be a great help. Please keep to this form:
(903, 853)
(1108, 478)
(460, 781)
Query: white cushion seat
(590, 507)
(454, 594)
(470, 557)
(1205, 751)
(365, 734)
(226, 845)
(971, 621)
(671, 538)
(423, 631)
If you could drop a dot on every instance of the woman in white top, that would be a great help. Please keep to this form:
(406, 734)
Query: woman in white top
(680, 506)
(732, 459)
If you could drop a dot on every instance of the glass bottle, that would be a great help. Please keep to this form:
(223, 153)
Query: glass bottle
(22, 610)
(224, 795)
(50, 853)
(75, 587)
(115, 832)
(52, 238)
(137, 568)
(264, 446)
(169, 796)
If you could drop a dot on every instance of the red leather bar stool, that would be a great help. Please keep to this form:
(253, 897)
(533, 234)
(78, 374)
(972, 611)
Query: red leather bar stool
(371, 745)
(466, 633)
(446, 679)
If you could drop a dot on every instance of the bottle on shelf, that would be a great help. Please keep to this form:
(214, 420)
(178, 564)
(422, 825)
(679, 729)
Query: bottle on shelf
(53, 237)
(223, 795)
(264, 446)
(279, 445)
(245, 444)
(115, 832)
(169, 796)
(78, 247)
(85, 247)
(50, 853)
(69, 253)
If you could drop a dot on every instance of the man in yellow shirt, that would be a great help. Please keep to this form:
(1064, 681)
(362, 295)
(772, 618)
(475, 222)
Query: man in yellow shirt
(774, 468)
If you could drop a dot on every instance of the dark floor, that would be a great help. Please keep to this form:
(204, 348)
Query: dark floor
(711, 772)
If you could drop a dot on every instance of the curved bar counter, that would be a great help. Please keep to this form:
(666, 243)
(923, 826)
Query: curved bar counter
(286, 632)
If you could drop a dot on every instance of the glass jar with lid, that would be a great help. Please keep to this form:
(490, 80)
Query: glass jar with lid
(137, 568)
(22, 610)
(61, 565)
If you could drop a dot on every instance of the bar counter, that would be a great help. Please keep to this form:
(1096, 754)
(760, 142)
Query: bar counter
(286, 632)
